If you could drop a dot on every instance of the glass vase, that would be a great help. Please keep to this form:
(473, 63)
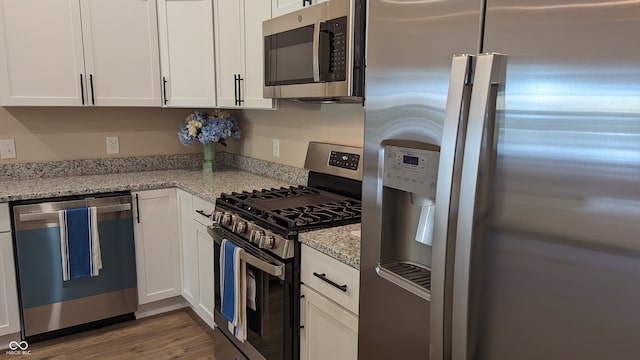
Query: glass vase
(209, 164)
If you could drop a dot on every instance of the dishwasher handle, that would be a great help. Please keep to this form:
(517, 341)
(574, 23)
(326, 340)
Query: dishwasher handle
(54, 214)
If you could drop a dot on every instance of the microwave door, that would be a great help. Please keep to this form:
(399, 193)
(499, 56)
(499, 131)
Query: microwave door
(291, 56)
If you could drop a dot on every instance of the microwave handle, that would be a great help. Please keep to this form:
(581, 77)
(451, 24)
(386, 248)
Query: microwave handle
(316, 52)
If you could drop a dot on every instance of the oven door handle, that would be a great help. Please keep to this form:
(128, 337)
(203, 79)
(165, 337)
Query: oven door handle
(271, 269)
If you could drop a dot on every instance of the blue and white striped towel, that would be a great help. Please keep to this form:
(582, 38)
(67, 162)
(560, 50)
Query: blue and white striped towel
(233, 285)
(79, 243)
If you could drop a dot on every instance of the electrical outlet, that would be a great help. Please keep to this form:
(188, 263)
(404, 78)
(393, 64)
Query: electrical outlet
(7, 149)
(113, 147)
(276, 147)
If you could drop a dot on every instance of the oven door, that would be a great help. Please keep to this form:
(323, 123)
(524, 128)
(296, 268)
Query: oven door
(270, 325)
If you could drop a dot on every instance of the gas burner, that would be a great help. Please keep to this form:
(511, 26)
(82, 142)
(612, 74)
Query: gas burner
(323, 213)
(296, 207)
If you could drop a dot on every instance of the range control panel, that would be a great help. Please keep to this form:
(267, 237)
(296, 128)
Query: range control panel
(412, 170)
(344, 160)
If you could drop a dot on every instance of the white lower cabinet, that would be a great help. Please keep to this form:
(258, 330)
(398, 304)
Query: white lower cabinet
(9, 316)
(197, 255)
(189, 247)
(206, 301)
(328, 308)
(157, 245)
(329, 331)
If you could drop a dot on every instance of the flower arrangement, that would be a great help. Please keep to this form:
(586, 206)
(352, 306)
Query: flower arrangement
(214, 127)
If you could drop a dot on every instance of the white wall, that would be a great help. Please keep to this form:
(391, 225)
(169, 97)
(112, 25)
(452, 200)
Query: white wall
(50, 134)
(67, 133)
(295, 124)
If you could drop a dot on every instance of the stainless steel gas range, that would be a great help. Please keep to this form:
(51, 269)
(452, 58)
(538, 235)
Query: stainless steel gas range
(266, 224)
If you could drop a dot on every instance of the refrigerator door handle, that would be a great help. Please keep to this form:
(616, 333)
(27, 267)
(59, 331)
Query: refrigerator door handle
(477, 169)
(455, 121)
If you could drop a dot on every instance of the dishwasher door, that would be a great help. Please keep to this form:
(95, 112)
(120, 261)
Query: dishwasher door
(48, 303)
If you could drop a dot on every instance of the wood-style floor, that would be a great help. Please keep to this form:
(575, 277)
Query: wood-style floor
(178, 334)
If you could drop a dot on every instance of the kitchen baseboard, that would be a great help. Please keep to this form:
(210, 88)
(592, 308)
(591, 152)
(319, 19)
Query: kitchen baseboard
(161, 306)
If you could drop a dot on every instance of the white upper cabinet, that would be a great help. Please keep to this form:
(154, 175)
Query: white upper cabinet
(41, 59)
(121, 52)
(79, 52)
(240, 54)
(281, 7)
(187, 53)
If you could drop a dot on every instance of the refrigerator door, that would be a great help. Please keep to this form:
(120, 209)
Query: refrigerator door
(555, 262)
(410, 45)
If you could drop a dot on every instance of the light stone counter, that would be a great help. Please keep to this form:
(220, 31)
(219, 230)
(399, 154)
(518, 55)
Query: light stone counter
(205, 185)
(341, 243)
(338, 242)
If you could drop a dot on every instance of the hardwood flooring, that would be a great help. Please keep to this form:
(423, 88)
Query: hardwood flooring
(178, 334)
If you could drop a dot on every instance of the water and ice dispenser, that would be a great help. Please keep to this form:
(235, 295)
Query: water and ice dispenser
(409, 177)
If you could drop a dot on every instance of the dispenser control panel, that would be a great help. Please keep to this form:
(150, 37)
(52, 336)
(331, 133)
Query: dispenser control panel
(412, 170)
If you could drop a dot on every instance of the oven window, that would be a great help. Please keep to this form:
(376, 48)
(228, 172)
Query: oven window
(289, 57)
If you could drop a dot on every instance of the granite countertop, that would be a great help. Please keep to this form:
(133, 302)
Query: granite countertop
(205, 185)
(338, 242)
(341, 243)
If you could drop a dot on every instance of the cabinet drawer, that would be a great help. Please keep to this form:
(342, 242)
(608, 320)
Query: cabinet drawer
(314, 264)
(202, 210)
(5, 222)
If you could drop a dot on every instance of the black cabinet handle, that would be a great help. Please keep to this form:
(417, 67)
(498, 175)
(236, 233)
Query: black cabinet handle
(240, 99)
(201, 212)
(323, 277)
(304, 2)
(82, 88)
(93, 100)
(137, 208)
(164, 89)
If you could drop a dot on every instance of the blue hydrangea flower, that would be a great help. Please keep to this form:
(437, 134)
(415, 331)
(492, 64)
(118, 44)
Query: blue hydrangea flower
(215, 128)
(184, 136)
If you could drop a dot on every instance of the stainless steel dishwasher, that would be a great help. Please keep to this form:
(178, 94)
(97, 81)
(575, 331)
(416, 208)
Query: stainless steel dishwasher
(47, 303)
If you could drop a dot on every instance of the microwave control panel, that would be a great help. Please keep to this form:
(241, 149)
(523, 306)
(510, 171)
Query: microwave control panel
(336, 31)
(412, 170)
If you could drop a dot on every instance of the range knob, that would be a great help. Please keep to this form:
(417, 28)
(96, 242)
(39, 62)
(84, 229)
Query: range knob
(255, 236)
(226, 219)
(217, 216)
(267, 242)
(239, 227)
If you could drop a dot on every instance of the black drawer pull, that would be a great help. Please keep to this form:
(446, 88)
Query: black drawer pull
(323, 277)
(137, 208)
(201, 212)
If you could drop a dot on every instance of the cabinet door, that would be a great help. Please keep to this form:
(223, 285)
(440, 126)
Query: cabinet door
(121, 52)
(206, 275)
(253, 84)
(281, 7)
(9, 317)
(329, 331)
(229, 34)
(189, 247)
(186, 53)
(157, 245)
(41, 59)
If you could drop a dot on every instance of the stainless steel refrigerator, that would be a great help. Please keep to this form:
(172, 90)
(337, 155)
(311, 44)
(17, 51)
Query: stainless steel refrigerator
(501, 189)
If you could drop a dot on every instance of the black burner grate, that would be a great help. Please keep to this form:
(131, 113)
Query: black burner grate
(296, 207)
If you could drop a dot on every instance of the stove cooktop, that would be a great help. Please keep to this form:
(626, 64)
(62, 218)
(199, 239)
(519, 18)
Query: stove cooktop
(296, 208)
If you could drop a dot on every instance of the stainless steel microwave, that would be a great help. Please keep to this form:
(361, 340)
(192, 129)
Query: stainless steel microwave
(316, 53)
